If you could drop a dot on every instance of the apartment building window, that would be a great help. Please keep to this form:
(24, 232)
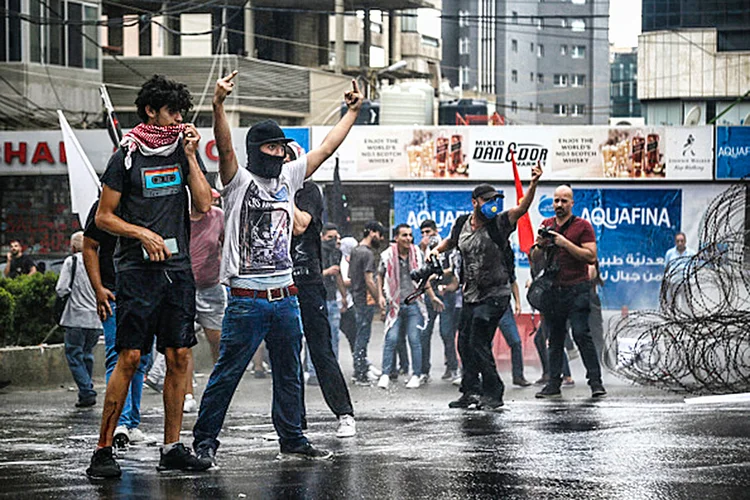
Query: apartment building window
(561, 109)
(351, 54)
(531, 47)
(531, 106)
(563, 23)
(409, 20)
(578, 2)
(540, 50)
(514, 76)
(74, 43)
(563, 50)
(463, 76)
(514, 15)
(577, 80)
(463, 46)
(578, 25)
(577, 110)
(539, 22)
(463, 19)
(514, 107)
(579, 52)
(540, 108)
(540, 78)
(531, 76)
(514, 45)
(560, 80)
(430, 41)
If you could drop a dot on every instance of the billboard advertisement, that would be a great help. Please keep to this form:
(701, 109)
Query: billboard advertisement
(732, 152)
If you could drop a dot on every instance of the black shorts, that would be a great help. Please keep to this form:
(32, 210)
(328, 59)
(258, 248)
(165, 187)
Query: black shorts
(155, 303)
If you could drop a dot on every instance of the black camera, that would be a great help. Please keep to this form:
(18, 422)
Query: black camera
(432, 266)
(545, 232)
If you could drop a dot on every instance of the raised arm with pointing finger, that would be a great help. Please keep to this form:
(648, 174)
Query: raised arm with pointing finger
(223, 134)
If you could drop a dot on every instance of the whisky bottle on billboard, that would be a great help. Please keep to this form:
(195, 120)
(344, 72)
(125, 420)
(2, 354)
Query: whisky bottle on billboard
(639, 144)
(652, 153)
(441, 155)
(457, 155)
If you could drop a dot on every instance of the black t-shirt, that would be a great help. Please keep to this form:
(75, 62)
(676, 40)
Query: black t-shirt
(154, 196)
(361, 261)
(331, 256)
(20, 266)
(107, 243)
(306, 252)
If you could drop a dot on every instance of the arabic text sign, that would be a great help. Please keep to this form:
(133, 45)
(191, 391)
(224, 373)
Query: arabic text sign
(732, 152)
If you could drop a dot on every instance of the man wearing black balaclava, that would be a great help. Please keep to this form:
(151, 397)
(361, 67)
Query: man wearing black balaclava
(257, 265)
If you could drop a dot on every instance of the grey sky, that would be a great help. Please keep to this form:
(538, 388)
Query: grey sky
(624, 22)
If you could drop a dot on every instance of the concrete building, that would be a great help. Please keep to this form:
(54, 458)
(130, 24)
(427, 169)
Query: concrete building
(623, 93)
(694, 55)
(544, 62)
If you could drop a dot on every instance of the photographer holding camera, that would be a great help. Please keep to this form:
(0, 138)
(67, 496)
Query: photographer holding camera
(482, 239)
(400, 265)
(569, 245)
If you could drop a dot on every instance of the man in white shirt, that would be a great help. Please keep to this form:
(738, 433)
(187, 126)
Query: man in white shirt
(257, 266)
(675, 266)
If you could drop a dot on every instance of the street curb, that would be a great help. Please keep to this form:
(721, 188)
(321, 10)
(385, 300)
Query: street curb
(45, 366)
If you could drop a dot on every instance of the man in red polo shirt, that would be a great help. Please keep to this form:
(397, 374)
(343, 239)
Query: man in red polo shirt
(571, 243)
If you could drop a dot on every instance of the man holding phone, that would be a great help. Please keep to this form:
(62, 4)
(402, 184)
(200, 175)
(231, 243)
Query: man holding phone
(144, 202)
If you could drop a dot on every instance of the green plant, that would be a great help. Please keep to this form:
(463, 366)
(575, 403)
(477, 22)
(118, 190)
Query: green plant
(7, 310)
(34, 298)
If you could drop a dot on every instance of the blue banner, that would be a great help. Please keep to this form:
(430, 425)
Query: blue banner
(301, 136)
(444, 207)
(634, 229)
(732, 152)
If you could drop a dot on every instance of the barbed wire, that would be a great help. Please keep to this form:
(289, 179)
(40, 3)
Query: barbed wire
(699, 339)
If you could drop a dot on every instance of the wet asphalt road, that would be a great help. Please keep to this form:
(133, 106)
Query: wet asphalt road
(637, 443)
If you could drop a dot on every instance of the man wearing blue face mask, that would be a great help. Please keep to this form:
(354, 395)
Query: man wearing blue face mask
(482, 239)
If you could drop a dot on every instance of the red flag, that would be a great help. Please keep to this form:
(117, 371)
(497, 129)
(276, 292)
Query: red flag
(525, 232)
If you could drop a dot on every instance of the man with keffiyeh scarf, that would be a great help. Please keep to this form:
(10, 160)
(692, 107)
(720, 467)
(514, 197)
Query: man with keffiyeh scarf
(144, 202)
(394, 278)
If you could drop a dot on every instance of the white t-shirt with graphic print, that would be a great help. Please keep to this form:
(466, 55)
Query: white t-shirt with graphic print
(259, 222)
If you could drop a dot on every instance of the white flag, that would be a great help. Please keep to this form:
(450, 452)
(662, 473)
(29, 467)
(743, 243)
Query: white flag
(84, 183)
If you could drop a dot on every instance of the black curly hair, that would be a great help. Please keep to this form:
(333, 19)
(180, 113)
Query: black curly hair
(160, 91)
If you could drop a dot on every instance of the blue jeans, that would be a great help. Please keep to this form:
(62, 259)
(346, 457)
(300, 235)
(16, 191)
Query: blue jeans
(247, 322)
(131, 410)
(572, 304)
(448, 326)
(409, 319)
(426, 336)
(79, 351)
(364, 330)
(509, 329)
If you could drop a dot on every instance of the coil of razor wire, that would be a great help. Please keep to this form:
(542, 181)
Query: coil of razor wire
(699, 339)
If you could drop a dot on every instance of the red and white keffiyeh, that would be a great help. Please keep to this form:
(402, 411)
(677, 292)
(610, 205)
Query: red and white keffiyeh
(391, 281)
(151, 140)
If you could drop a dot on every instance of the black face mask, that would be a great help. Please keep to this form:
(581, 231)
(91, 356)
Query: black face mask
(329, 244)
(264, 165)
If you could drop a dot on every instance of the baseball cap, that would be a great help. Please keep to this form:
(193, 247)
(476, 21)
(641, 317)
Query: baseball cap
(486, 192)
(265, 132)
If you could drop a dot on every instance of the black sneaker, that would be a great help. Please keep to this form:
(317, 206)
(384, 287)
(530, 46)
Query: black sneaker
(465, 401)
(598, 391)
(549, 392)
(304, 452)
(180, 458)
(86, 403)
(207, 455)
(103, 464)
(490, 404)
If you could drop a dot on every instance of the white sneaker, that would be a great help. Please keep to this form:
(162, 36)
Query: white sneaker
(374, 370)
(121, 438)
(137, 436)
(347, 427)
(384, 381)
(414, 382)
(190, 405)
(457, 381)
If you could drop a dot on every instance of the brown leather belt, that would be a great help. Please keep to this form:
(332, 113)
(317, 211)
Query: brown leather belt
(272, 294)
